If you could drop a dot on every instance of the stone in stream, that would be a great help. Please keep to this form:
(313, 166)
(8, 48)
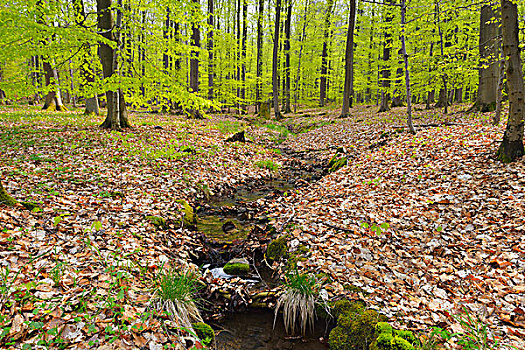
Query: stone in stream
(237, 267)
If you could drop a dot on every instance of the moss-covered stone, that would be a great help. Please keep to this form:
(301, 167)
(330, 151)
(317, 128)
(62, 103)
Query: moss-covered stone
(339, 339)
(5, 198)
(204, 332)
(357, 323)
(189, 217)
(238, 267)
(383, 327)
(277, 249)
(157, 221)
(398, 343)
(407, 335)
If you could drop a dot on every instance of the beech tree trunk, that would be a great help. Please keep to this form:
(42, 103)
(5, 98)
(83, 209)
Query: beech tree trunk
(287, 25)
(243, 53)
(489, 64)
(301, 41)
(407, 71)
(211, 24)
(349, 62)
(194, 60)
(385, 73)
(324, 54)
(511, 146)
(275, 60)
(117, 116)
(258, 87)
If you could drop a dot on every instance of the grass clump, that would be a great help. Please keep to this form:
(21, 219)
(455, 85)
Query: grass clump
(267, 164)
(176, 296)
(298, 302)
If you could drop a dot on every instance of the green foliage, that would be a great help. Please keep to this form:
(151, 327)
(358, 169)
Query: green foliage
(267, 164)
(204, 332)
(178, 286)
(157, 221)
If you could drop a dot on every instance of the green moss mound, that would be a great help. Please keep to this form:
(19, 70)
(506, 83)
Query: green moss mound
(336, 163)
(393, 339)
(238, 267)
(277, 249)
(189, 217)
(6, 198)
(31, 206)
(157, 221)
(204, 332)
(356, 326)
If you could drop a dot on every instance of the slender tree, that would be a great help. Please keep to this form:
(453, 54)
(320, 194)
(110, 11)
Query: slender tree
(258, 87)
(511, 146)
(211, 24)
(287, 31)
(275, 61)
(324, 54)
(385, 72)
(349, 61)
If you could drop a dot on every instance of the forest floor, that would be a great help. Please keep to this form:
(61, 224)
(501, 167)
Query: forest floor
(424, 225)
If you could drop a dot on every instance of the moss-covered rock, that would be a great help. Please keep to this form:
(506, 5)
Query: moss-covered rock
(392, 339)
(277, 249)
(204, 332)
(398, 343)
(357, 323)
(189, 217)
(238, 267)
(407, 335)
(5, 198)
(157, 221)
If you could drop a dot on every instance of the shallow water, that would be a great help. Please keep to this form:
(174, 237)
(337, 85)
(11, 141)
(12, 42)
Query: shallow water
(253, 330)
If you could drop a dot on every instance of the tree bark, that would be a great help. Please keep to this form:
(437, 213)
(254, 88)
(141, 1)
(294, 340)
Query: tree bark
(117, 116)
(243, 53)
(511, 146)
(275, 60)
(301, 41)
(385, 73)
(195, 42)
(489, 64)
(349, 62)
(324, 54)
(407, 72)
(211, 23)
(287, 26)
(258, 87)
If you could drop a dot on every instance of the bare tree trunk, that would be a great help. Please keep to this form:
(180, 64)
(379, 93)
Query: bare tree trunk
(243, 53)
(194, 61)
(385, 73)
(117, 116)
(258, 87)
(488, 50)
(303, 36)
(211, 23)
(499, 96)
(511, 146)
(407, 72)
(443, 93)
(275, 61)
(349, 62)
(287, 25)
(324, 54)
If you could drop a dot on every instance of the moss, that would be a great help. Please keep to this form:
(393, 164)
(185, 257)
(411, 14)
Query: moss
(339, 339)
(157, 221)
(383, 327)
(204, 332)
(346, 306)
(190, 220)
(336, 164)
(277, 249)
(407, 335)
(31, 206)
(5, 198)
(398, 343)
(236, 267)
(383, 342)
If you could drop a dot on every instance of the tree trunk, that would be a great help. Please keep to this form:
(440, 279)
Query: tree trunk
(385, 73)
(211, 23)
(258, 87)
(349, 62)
(511, 146)
(301, 42)
(243, 53)
(287, 25)
(489, 65)
(275, 60)
(499, 96)
(53, 101)
(194, 60)
(443, 93)
(117, 116)
(407, 72)
(5, 198)
(324, 54)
